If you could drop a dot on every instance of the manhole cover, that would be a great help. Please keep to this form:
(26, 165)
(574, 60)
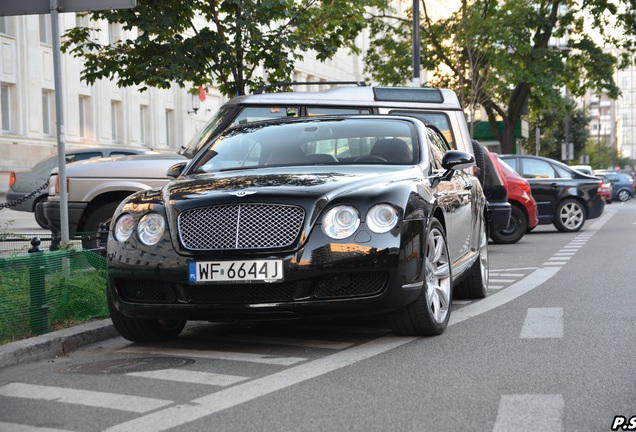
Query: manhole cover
(123, 366)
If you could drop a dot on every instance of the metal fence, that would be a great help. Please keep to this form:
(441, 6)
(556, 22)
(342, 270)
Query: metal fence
(44, 286)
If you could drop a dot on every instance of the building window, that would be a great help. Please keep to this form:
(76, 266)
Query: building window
(48, 110)
(114, 33)
(5, 108)
(115, 121)
(169, 128)
(4, 25)
(45, 29)
(82, 116)
(144, 116)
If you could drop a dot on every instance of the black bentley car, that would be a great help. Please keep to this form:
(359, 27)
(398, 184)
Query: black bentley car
(303, 218)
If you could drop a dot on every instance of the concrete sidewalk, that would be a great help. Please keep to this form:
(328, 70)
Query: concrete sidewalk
(55, 344)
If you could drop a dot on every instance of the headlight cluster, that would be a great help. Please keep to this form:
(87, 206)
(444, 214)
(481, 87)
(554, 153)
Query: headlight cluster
(150, 228)
(342, 221)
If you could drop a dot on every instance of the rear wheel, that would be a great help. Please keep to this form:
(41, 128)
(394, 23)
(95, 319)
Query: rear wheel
(429, 314)
(516, 229)
(623, 195)
(570, 216)
(144, 330)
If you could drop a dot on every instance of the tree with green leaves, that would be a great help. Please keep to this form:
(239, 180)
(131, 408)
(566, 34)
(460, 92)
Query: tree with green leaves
(504, 56)
(216, 42)
(552, 128)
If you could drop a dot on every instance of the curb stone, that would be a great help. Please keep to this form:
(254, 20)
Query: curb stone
(55, 344)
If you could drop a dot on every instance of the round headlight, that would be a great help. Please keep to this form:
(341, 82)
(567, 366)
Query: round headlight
(150, 229)
(123, 227)
(340, 222)
(382, 218)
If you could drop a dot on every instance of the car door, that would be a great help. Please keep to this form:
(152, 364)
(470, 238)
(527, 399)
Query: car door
(455, 197)
(545, 183)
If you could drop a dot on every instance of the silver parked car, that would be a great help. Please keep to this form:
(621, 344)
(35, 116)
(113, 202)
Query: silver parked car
(28, 188)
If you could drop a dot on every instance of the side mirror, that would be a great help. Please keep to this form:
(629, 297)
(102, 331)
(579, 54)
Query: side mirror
(175, 170)
(454, 160)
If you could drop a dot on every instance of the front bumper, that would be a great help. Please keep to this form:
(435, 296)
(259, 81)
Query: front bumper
(52, 214)
(322, 280)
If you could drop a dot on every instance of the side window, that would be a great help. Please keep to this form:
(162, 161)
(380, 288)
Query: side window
(318, 111)
(82, 156)
(254, 114)
(439, 120)
(512, 163)
(537, 169)
(439, 146)
(562, 172)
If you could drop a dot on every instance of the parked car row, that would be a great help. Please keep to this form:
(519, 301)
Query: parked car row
(565, 197)
(32, 183)
(346, 202)
(623, 185)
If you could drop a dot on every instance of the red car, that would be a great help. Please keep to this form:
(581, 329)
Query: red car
(606, 188)
(523, 214)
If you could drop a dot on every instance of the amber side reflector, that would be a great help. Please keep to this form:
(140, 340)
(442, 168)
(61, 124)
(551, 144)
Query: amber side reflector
(12, 179)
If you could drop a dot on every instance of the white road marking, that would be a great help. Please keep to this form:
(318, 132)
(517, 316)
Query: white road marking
(83, 397)
(543, 323)
(501, 280)
(194, 377)
(218, 355)
(515, 269)
(554, 263)
(14, 427)
(197, 408)
(526, 284)
(530, 413)
(559, 258)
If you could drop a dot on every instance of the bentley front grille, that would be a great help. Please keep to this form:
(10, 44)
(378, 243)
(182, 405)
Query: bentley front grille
(244, 226)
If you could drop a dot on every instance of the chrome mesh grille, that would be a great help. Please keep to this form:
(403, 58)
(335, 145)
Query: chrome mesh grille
(244, 226)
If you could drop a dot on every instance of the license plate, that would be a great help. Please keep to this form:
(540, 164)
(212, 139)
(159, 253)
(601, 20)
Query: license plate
(236, 271)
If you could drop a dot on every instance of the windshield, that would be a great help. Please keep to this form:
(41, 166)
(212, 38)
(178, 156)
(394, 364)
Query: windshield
(312, 142)
(203, 136)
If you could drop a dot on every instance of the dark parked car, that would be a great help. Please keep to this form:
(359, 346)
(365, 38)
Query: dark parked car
(565, 197)
(524, 216)
(622, 184)
(32, 183)
(303, 218)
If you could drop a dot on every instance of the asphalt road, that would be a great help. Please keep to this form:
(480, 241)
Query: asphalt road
(550, 349)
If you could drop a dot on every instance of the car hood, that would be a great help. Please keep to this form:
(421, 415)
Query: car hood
(296, 184)
(136, 166)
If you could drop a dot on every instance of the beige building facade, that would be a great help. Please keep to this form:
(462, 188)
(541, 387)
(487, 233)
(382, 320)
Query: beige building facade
(103, 113)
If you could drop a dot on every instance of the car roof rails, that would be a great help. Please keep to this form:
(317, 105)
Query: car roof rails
(262, 89)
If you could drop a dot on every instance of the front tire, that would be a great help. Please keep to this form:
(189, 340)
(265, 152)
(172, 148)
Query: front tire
(102, 214)
(143, 330)
(430, 313)
(516, 229)
(570, 216)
